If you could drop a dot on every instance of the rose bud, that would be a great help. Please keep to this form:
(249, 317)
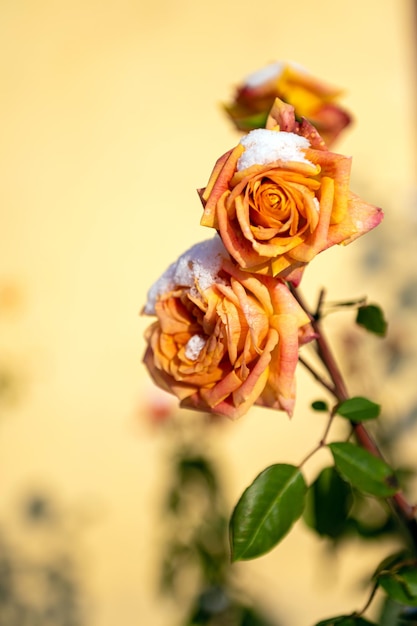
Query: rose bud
(311, 98)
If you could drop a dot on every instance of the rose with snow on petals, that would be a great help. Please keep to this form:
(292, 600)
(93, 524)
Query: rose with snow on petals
(310, 97)
(280, 197)
(224, 339)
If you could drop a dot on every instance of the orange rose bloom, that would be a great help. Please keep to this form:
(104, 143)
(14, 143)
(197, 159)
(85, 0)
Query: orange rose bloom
(224, 339)
(281, 197)
(310, 97)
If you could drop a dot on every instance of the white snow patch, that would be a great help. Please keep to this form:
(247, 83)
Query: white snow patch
(263, 146)
(200, 264)
(194, 346)
(272, 70)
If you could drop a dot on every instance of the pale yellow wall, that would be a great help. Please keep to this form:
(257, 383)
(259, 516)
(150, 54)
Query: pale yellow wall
(110, 121)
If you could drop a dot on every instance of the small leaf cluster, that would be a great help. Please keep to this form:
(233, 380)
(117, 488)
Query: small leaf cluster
(276, 499)
(331, 505)
(397, 575)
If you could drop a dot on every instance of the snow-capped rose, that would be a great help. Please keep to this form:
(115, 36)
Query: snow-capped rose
(311, 98)
(224, 339)
(280, 197)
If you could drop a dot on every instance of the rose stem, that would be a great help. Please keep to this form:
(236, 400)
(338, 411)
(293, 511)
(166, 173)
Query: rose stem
(402, 507)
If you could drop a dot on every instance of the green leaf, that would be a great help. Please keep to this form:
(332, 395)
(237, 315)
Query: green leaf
(395, 614)
(371, 317)
(362, 470)
(328, 503)
(358, 409)
(401, 584)
(266, 511)
(391, 562)
(346, 620)
(250, 122)
(409, 576)
(319, 405)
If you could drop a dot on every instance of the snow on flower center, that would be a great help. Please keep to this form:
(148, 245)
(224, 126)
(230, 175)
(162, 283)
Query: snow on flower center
(273, 70)
(270, 71)
(194, 346)
(263, 146)
(198, 265)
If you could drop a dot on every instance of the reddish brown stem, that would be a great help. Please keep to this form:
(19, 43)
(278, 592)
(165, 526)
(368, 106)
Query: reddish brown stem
(405, 511)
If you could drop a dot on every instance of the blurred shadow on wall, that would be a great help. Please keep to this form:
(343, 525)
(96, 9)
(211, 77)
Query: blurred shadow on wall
(196, 572)
(386, 263)
(40, 569)
(40, 582)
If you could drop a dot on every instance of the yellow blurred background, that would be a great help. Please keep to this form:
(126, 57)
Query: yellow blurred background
(110, 121)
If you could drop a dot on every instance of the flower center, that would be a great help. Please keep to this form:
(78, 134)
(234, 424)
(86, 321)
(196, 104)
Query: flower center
(276, 209)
